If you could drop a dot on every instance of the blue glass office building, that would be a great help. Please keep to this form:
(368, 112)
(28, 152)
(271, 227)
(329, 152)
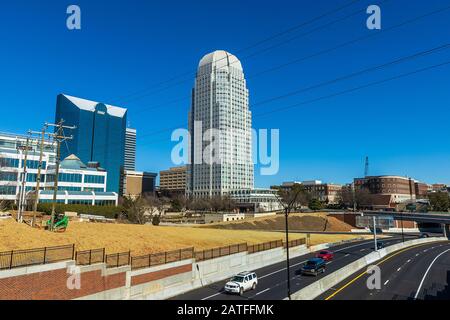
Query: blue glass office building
(99, 137)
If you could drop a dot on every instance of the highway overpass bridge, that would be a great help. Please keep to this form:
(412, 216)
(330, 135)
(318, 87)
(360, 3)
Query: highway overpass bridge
(432, 220)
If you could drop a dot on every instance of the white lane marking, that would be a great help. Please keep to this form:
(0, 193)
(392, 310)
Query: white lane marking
(387, 281)
(408, 261)
(399, 269)
(294, 265)
(356, 245)
(272, 273)
(211, 296)
(426, 273)
(417, 254)
(362, 249)
(262, 291)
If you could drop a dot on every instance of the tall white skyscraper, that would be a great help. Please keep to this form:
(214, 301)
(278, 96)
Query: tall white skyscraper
(220, 101)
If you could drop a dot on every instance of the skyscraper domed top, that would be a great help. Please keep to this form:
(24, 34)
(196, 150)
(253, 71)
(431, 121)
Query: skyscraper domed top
(220, 59)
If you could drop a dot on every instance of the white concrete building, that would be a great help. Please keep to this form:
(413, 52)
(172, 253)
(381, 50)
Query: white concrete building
(220, 100)
(257, 200)
(12, 156)
(77, 184)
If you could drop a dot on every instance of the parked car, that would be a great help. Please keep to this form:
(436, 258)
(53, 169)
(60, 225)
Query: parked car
(325, 255)
(314, 266)
(242, 282)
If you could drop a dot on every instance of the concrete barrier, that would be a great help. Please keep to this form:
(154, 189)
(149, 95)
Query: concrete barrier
(157, 282)
(320, 286)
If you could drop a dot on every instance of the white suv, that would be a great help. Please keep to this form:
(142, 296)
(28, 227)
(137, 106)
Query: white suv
(242, 282)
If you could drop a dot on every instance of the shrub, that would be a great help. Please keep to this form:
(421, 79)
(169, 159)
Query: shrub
(156, 220)
(111, 212)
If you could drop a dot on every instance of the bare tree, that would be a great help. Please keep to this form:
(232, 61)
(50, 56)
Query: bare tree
(180, 203)
(228, 204)
(358, 198)
(215, 203)
(199, 204)
(135, 209)
(293, 198)
(290, 199)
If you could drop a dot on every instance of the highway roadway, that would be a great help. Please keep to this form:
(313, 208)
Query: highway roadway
(272, 284)
(420, 272)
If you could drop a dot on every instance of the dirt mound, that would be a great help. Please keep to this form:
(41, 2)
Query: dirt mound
(297, 222)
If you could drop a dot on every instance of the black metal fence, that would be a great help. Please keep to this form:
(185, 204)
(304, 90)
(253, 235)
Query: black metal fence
(155, 259)
(22, 258)
(118, 259)
(30, 257)
(265, 246)
(88, 257)
(220, 252)
(296, 243)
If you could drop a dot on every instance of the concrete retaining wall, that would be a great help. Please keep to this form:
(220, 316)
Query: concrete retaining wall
(318, 287)
(154, 283)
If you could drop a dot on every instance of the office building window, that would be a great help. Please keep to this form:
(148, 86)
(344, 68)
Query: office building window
(70, 177)
(34, 164)
(94, 179)
(9, 163)
(8, 176)
(8, 190)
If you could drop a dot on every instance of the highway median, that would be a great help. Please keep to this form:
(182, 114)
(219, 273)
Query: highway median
(326, 283)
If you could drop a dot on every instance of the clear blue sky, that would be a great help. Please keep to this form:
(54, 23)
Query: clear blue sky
(131, 46)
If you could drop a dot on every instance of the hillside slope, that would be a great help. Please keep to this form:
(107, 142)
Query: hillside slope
(299, 222)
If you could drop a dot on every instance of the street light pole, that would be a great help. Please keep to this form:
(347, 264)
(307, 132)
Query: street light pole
(286, 214)
(375, 232)
(401, 219)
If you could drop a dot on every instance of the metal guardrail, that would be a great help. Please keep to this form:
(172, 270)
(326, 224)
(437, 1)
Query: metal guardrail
(88, 257)
(295, 243)
(220, 251)
(22, 258)
(156, 259)
(116, 260)
(265, 246)
(39, 256)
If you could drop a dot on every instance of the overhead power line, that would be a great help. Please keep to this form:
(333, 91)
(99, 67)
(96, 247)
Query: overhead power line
(337, 80)
(314, 55)
(144, 92)
(371, 84)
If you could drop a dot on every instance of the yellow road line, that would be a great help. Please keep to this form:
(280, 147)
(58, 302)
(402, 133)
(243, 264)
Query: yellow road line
(364, 273)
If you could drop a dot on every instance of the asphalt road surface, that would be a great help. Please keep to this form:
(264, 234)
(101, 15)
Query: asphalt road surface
(272, 283)
(420, 272)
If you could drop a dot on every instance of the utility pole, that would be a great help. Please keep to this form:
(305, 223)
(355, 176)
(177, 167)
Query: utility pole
(286, 216)
(366, 169)
(288, 204)
(59, 137)
(375, 232)
(41, 154)
(22, 193)
(354, 196)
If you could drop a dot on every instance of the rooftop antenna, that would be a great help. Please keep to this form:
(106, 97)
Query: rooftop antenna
(366, 169)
